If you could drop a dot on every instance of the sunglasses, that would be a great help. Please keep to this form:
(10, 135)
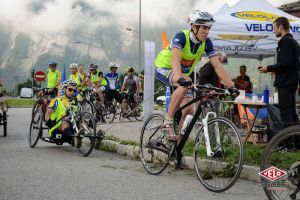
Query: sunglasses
(72, 90)
(52, 66)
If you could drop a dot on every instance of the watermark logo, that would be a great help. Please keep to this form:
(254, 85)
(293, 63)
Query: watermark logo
(272, 173)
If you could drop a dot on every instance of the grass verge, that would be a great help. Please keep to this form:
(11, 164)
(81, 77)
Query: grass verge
(20, 102)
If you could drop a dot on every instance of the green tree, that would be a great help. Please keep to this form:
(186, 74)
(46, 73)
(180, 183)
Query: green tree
(27, 84)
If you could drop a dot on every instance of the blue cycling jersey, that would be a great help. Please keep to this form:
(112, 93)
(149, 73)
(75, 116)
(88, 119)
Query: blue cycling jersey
(179, 42)
(112, 80)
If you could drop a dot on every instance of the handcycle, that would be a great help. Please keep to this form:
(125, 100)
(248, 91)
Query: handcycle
(218, 149)
(136, 112)
(90, 104)
(82, 123)
(3, 121)
(282, 152)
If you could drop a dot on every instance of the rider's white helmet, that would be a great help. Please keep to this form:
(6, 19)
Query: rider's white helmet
(73, 65)
(201, 18)
(113, 64)
(69, 82)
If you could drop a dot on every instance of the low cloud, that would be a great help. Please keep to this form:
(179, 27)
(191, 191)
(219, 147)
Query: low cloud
(55, 16)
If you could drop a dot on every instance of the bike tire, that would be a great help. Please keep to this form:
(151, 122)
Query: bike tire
(139, 112)
(266, 162)
(210, 169)
(87, 121)
(153, 160)
(35, 124)
(111, 112)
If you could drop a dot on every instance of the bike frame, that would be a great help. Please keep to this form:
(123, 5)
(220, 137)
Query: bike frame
(190, 126)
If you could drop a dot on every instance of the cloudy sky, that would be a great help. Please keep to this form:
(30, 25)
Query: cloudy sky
(54, 16)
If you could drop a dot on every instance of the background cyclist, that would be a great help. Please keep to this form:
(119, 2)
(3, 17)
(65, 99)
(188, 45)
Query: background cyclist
(131, 85)
(53, 77)
(112, 78)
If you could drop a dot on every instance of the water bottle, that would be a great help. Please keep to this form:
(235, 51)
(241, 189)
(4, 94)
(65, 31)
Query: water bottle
(276, 101)
(266, 95)
(168, 96)
(186, 122)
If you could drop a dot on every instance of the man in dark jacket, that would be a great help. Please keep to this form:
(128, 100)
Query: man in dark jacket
(286, 71)
(207, 73)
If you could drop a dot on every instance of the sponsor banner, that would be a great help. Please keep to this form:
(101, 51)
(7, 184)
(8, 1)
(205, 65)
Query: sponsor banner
(257, 16)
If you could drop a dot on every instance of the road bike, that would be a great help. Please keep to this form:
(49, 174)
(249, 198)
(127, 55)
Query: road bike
(218, 149)
(82, 123)
(101, 113)
(282, 152)
(132, 112)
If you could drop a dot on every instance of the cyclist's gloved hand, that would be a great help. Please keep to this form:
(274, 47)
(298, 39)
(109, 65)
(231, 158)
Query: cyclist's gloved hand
(183, 82)
(50, 123)
(233, 91)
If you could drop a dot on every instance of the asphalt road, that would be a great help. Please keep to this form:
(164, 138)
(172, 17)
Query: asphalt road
(60, 172)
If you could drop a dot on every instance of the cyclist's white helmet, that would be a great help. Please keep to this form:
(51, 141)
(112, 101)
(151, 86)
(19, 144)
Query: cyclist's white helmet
(113, 64)
(73, 65)
(201, 18)
(69, 82)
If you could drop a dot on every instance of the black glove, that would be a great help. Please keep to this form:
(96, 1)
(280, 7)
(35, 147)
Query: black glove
(233, 91)
(183, 82)
(50, 123)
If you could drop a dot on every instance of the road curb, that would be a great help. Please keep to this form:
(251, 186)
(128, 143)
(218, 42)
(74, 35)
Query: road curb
(248, 172)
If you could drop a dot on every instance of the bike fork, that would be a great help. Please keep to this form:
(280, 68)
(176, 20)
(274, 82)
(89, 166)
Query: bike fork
(209, 152)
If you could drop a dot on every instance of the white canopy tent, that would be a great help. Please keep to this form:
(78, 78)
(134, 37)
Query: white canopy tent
(245, 30)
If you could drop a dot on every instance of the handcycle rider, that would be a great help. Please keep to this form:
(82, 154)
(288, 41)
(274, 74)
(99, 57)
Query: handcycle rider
(178, 61)
(56, 115)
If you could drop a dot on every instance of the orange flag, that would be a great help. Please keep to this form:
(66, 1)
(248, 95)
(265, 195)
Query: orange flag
(164, 39)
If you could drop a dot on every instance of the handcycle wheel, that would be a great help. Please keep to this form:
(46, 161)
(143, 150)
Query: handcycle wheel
(36, 106)
(219, 170)
(35, 130)
(111, 112)
(86, 121)
(284, 155)
(154, 148)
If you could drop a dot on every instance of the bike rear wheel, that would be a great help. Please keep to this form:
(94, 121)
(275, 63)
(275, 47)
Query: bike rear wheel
(219, 170)
(154, 148)
(88, 124)
(282, 153)
(35, 130)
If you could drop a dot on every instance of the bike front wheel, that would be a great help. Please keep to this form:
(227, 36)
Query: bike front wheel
(283, 153)
(110, 112)
(218, 154)
(154, 148)
(87, 130)
(139, 112)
